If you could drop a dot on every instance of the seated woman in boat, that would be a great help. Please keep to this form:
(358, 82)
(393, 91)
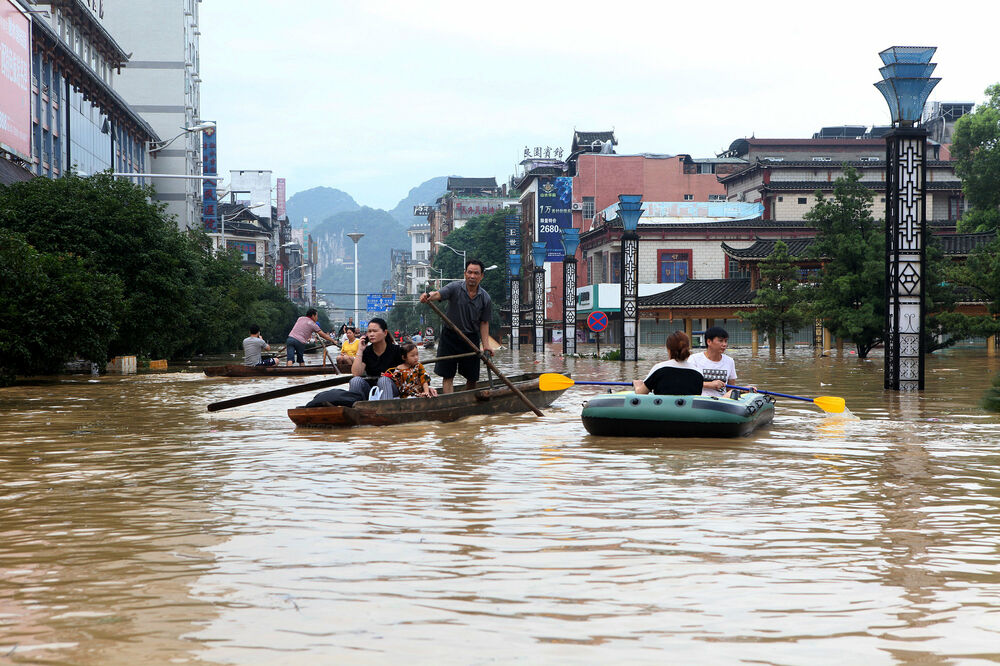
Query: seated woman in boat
(349, 348)
(410, 377)
(678, 354)
(378, 354)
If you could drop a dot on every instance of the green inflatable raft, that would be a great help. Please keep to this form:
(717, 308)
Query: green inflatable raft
(635, 415)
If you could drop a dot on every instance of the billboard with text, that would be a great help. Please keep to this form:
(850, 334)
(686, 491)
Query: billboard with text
(15, 81)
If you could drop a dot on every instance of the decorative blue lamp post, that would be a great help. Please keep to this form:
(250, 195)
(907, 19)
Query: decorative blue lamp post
(514, 263)
(538, 252)
(629, 210)
(906, 83)
(570, 239)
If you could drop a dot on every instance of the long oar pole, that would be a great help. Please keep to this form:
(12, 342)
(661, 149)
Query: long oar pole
(485, 357)
(300, 388)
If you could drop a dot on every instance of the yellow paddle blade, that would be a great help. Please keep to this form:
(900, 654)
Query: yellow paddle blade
(830, 403)
(552, 381)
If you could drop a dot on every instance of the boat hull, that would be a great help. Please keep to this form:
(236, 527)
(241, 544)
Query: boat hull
(633, 415)
(235, 370)
(450, 407)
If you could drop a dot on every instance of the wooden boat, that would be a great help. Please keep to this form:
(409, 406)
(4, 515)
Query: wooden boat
(633, 415)
(451, 407)
(280, 370)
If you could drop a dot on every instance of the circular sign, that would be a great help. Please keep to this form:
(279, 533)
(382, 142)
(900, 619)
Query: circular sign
(429, 331)
(597, 321)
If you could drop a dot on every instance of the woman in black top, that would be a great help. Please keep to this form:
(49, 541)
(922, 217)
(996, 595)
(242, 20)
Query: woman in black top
(378, 353)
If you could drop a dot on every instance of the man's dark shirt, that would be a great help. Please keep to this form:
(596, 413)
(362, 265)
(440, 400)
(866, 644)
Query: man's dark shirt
(467, 313)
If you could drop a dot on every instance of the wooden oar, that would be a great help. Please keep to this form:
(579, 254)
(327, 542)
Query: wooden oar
(300, 388)
(828, 403)
(552, 381)
(277, 393)
(486, 360)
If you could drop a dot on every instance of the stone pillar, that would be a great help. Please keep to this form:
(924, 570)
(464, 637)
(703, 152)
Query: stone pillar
(904, 258)
(754, 342)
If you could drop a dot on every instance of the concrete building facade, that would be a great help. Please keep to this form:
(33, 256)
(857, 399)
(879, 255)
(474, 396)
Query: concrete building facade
(162, 81)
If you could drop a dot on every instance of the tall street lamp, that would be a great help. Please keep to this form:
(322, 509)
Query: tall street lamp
(906, 84)
(629, 210)
(458, 252)
(570, 239)
(515, 300)
(538, 253)
(356, 236)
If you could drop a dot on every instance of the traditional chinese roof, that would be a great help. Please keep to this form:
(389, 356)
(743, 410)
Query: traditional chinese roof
(702, 293)
(456, 183)
(812, 185)
(763, 248)
(963, 244)
(12, 172)
(834, 164)
(583, 140)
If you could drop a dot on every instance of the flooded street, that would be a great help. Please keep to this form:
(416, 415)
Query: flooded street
(136, 527)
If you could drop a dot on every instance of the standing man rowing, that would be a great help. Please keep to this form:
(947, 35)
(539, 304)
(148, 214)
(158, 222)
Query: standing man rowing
(470, 308)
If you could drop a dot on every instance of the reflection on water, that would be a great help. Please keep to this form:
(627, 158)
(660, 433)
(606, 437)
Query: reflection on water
(135, 527)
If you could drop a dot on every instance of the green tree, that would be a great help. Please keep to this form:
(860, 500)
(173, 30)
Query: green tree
(780, 297)
(976, 150)
(482, 238)
(850, 293)
(53, 308)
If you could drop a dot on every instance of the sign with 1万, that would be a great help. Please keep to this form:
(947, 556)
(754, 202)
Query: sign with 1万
(555, 213)
(381, 302)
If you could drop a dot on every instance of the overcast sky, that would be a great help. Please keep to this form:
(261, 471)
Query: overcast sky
(374, 98)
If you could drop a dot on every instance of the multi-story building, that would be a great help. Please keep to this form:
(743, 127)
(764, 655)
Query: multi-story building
(420, 253)
(60, 108)
(465, 199)
(161, 81)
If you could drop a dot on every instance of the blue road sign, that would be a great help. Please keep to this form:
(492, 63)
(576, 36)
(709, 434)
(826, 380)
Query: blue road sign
(381, 302)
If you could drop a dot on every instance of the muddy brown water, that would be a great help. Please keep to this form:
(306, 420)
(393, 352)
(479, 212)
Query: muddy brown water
(136, 527)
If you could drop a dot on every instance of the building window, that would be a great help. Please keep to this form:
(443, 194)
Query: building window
(956, 206)
(803, 200)
(673, 266)
(735, 272)
(706, 168)
(688, 197)
(615, 268)
(421, 254)
(588, 208)
(716, 197)
(419, 272)
(780, 199)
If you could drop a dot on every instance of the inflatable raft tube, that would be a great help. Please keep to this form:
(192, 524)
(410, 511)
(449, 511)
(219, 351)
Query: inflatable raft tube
(634, 415)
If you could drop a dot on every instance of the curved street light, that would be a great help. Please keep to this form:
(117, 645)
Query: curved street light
(458, 252)
(155, 146)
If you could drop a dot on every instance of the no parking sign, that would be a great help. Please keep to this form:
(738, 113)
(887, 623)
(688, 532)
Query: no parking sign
(597, 321)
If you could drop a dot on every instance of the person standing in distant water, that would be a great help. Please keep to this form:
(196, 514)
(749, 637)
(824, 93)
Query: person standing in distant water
(718, 368)
(252, 348)
(470, 309)
(295, 345)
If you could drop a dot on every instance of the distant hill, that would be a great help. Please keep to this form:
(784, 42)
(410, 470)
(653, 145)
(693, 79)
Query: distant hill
(318, 204)
(336, 270)
(425, 193)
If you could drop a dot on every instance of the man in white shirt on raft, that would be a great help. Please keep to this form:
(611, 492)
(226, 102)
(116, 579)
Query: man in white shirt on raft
(717, 368)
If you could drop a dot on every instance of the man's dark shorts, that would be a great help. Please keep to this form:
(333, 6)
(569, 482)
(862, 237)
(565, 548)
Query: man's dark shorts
(449, 345)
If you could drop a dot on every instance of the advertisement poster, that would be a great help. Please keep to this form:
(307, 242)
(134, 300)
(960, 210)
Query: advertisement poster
(15, 81)
(555, 213)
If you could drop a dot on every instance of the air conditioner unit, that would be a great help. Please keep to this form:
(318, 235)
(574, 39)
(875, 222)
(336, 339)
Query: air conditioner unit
(577, 205)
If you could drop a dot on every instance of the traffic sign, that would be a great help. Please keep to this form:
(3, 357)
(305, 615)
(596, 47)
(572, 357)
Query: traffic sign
(597, 321)
(381, 302)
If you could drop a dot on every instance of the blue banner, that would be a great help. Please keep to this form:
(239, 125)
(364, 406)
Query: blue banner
(555, 213)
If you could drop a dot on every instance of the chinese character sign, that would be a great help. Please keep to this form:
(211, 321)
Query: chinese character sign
(381, 302)
(15, 86)
(209, 206)
(468, 208)
(281, 197)
(554, 214)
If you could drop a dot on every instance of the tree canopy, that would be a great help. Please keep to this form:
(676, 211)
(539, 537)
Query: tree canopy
(125, 272)
(781, 298)
(850, 292)
(976, 150)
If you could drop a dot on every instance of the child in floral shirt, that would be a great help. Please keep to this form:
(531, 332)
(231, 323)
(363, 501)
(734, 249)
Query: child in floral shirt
(410, 376)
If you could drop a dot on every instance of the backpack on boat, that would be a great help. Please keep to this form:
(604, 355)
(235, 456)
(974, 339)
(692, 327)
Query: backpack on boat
(336, 398)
